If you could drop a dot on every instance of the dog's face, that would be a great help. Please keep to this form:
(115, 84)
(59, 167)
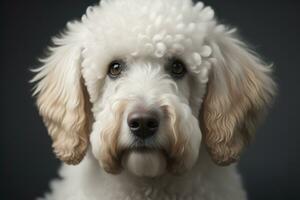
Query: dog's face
(146, 117)
(142, 82)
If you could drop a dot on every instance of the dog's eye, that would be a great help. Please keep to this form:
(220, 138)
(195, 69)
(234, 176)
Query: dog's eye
(115, 68)
(177, 68)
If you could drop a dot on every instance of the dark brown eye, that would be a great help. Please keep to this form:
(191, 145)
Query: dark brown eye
(177, 68)
(115, 68)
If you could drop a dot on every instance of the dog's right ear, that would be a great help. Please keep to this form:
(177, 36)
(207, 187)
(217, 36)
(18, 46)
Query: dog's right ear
(239, 91)
(62, 99)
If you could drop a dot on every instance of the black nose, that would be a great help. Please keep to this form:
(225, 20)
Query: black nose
(143, 124)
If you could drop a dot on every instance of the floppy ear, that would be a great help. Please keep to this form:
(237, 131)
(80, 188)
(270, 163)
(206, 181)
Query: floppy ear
(62, 100)
(239, 90)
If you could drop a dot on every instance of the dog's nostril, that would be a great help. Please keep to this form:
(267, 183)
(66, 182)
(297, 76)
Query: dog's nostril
(143, 124)
(134, 124)
(152, 124)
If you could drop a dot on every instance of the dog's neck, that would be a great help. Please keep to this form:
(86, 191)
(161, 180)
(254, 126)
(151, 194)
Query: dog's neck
(91, 176)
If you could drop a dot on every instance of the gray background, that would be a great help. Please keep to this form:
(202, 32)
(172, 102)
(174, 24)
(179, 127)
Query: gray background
(270, 166)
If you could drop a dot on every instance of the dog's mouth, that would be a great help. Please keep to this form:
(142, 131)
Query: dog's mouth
(145, 161)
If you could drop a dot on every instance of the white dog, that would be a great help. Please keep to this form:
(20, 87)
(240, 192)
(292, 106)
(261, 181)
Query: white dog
(150, 99)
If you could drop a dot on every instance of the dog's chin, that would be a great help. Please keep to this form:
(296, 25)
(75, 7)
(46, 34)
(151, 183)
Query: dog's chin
(145, 162)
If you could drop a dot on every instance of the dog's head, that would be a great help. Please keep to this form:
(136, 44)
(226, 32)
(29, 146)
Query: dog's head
(144, 82)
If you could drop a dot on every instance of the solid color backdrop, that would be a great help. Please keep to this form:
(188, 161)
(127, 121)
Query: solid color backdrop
(270, 167)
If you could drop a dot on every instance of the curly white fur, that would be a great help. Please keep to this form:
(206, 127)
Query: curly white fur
(206, 118)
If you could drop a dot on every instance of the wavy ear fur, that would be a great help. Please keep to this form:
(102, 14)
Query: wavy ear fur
(239, 90)
(62, 100)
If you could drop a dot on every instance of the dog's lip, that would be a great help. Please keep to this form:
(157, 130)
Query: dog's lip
(144, 146)
(143, 149)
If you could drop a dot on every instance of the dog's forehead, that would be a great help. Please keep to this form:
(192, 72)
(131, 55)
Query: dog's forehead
(145, 28)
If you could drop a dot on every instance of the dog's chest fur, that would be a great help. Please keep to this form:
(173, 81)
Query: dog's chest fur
(205, 182)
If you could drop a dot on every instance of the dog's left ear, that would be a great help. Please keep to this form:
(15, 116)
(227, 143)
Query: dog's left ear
(62, 99)
(239, 90)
